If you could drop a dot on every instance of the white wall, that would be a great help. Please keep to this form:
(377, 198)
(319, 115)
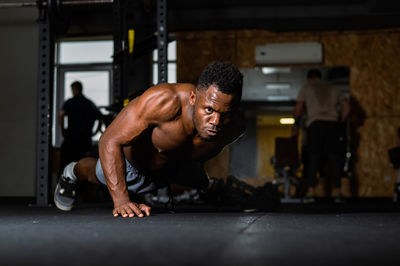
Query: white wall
(18, 85)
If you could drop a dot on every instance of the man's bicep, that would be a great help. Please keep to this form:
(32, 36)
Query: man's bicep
(125, 127)
(66, 106)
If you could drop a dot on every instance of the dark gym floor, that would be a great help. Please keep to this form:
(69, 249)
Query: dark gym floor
(321, 234)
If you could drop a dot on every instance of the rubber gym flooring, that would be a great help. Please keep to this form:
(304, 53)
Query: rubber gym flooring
(358, 233)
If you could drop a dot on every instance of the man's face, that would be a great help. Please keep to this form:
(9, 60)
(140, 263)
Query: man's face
(75, 91)
(212, 111)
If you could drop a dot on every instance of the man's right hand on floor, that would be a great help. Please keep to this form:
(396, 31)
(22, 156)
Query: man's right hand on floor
(131, 209)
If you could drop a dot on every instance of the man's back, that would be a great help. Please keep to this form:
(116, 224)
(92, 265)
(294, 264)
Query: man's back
(321, 99)
(82, 114)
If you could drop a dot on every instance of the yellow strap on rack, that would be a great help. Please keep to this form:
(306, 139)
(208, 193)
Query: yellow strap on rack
(131, 38)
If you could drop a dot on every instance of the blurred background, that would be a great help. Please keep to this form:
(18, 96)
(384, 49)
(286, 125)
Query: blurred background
(116, 48)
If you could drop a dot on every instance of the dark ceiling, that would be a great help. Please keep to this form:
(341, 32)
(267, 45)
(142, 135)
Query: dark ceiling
(283, 15)
(274, 15)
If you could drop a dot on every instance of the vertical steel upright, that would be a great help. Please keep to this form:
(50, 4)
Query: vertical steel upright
(162, 42)
(44, 94)
(118, 50)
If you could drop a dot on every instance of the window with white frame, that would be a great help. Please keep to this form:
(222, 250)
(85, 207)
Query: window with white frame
(171, 64)
(89, 62)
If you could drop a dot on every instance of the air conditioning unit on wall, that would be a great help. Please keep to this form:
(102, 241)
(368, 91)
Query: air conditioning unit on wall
(289, 53)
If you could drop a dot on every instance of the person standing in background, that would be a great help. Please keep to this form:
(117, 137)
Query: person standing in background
(322, 101)
(81, 114)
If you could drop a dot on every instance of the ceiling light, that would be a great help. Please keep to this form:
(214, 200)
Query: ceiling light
(286, 121)
(272, 70)
(278, 86)
(278, 98)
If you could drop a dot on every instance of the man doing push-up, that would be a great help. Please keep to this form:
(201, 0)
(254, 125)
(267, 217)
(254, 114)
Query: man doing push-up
(162, 136)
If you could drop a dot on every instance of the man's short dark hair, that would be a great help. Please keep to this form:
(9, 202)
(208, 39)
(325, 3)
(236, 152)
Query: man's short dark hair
(314, 73)
(225, 76)
(77, 85)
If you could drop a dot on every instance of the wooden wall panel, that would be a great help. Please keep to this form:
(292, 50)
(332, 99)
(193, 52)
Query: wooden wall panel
(197, 50)
(375, 174)
(193, 57)
(372, 79)
(374, 61)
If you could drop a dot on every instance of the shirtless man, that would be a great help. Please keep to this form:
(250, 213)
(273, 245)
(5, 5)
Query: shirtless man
(163, 135)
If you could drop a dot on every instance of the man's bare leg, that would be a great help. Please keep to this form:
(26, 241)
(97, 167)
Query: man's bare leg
(85, 169)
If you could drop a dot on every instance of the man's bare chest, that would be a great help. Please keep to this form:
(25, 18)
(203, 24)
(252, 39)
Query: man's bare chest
(171, 140)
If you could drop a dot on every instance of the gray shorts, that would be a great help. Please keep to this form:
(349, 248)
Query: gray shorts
(136, 182)
(190, 174)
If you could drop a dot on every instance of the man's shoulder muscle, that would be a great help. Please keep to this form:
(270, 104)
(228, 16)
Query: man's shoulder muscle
(158, 104)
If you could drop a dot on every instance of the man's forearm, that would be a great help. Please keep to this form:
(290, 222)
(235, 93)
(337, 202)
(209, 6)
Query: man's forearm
(345, 106)
(298, 109)
(113, 164)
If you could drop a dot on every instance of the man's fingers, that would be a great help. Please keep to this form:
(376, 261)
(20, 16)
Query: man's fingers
(129, 211)
(145, 208)
(117, 211)
(123, 212)
(135, 208)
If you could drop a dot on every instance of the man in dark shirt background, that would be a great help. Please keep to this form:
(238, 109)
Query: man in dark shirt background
(82, 114)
